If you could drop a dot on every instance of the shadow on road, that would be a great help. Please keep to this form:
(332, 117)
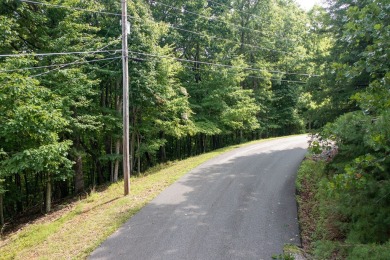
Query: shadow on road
(239, 205)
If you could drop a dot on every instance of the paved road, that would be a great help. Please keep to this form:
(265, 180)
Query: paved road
(239, 205)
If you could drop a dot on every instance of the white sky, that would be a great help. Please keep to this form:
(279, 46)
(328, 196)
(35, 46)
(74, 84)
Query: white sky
(307, 4)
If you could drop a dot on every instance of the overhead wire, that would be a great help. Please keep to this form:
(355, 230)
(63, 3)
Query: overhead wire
(209, 18)
(228, 40)
(57, 53)
(212, 18)
(71, 8)
(174, 27)
(55, 65)
(250, 76)
(170, 25)
(218, 64)
(231, 72)
(100, 49)
(148, 54)
(234, 9)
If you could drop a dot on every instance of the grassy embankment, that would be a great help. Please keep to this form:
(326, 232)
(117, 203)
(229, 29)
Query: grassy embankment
(322, 231)
(74, 231)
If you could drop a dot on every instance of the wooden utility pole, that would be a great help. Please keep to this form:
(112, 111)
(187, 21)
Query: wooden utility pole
(125, 61)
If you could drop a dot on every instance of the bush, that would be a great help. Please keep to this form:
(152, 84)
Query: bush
(345, 200)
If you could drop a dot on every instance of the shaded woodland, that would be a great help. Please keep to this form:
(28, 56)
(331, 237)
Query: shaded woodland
(203, 75)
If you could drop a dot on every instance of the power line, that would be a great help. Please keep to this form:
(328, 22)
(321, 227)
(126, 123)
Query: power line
(55, 65)
(250, 76)
(100, 49)
(220, 38)
(152, 55)
(61, 65)
(71, 8)
(231, 72)
(212, 18)
(219, 64)
(234, 9)
(58, 53)
(208, 18)
(37, 75)
(108, 63)
(172, 26)
(228, 40)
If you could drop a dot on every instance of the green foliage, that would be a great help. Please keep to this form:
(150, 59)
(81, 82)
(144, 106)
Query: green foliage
(373, 251)
(355, 85)
(322, 219)
(359, 183)
(283, 257)
(64, 121)
(311, 171)
(46, 158)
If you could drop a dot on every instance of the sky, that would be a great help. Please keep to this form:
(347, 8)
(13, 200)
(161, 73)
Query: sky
(307, 4)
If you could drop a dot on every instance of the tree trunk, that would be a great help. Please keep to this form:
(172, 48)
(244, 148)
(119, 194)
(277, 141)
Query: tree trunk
(27, 202)
(131, 156)
(111, 163)
(93, 169)
(118, 104)
(79, 176)
(139, 154)
(189, 144)
(1, 211)
(148, 159)
(163, 154)
(78, 168)
(116, 167)
(18, 183)
(179, 148)
(133, 123)
(48, 193)
(100, 171)
(64, 188)
(203, 136)
(196, 64)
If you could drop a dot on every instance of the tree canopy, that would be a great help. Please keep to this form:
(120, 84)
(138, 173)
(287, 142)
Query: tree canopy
(203, 74)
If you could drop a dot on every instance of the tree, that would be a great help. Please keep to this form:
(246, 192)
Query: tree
(31, 113)
(204, 74)
(357, 75)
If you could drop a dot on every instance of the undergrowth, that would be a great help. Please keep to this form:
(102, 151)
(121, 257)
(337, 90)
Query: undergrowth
(327, 232)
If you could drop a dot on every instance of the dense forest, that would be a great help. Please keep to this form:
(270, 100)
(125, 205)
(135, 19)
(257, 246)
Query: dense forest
(203, 74)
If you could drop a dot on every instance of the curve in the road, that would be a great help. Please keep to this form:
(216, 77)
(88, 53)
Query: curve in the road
(239, 205)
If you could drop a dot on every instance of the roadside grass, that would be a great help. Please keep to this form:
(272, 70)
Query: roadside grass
(307, 183)
(86, 223)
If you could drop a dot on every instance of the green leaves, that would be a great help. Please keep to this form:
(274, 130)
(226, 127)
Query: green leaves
(31, 119)
(28, 111)
(241, 111)
(51, 158)
(358, 91)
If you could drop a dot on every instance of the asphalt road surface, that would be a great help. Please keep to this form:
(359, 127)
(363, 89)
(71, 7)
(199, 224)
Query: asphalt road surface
(239, 205)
